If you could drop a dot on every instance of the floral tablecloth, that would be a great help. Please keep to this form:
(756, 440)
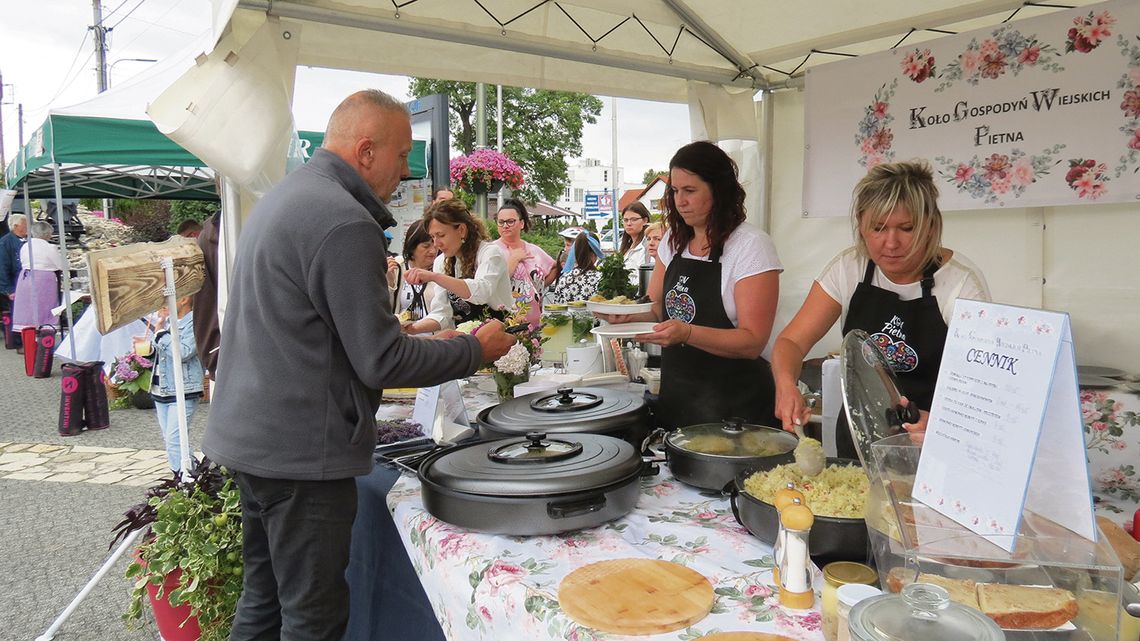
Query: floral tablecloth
(499, 587)
(1111, 420)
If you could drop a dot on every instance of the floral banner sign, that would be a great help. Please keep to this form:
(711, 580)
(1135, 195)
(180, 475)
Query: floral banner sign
(1037, 112)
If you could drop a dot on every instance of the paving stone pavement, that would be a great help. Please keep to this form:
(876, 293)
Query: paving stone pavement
(59, 499)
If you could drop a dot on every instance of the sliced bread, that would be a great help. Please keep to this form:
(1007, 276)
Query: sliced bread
(1020, 607)
(961, 590)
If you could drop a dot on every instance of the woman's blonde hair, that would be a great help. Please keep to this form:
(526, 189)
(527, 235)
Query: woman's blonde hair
(657, 226)
(886, 186)
(455, 213)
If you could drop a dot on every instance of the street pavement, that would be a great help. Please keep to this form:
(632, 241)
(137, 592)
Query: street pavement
(59, 499)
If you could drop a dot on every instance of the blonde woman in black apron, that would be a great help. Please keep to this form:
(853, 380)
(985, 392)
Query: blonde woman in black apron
(898, 284)
(715, 284)
(470, 271)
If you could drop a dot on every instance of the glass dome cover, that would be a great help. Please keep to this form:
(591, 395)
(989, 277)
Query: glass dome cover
(920, 611)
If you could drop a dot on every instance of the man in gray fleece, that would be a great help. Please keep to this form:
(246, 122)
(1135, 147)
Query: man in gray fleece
(308, 342)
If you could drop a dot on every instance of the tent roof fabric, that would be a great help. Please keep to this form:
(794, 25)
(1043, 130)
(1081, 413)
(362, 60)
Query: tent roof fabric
(634, 48)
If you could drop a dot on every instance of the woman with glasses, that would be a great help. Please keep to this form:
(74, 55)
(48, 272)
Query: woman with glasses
(634, 219)
(714, 289)
(470, 271)
(527, 263)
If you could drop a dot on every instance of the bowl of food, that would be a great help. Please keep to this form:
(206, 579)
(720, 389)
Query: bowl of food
(837, 497)
(710, 455)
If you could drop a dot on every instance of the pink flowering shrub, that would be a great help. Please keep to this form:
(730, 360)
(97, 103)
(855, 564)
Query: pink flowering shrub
(475, 172)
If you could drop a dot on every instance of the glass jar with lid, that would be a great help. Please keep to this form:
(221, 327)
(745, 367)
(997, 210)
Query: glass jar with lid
(835, 575)
(558, 331)
(582, 320)
(920, 612)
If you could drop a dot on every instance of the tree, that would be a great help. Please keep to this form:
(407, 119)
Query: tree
(650, 174)
(541, 128)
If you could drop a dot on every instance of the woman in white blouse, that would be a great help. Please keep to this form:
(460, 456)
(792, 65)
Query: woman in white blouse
(471, 272)
(44, 272)
(634, 220)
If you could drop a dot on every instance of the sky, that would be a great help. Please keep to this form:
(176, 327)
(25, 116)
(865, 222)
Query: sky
(47, 59)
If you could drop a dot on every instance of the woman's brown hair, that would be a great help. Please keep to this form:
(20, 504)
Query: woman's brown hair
(455, 213)
(713, 166)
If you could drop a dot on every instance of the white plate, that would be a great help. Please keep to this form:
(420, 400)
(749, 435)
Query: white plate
(622, 330)
(1086, 380)
(618, 308)
(1096, 370)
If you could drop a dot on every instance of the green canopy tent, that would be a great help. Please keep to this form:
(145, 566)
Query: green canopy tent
(105, 157)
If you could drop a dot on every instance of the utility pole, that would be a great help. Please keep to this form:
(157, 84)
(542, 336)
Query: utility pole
(481, 138)
(3, 164)
(100, 46)
(614, 171)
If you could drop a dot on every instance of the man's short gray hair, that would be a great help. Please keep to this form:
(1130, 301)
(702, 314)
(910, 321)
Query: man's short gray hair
(344, 119)
(41, 230)
(16, 219)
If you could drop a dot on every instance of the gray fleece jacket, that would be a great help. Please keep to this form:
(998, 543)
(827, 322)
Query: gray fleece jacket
(309, 338)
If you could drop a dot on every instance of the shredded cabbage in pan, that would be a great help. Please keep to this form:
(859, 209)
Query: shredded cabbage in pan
(839, 490)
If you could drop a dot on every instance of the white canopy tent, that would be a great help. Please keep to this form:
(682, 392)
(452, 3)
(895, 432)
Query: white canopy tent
(715, 55)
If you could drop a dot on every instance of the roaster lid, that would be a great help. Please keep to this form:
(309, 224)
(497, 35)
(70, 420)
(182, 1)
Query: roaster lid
(578, 409)
(566, 464)
(732, 438)
(871, 393)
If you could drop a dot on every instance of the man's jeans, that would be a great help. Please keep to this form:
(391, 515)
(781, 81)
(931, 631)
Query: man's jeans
(296, 539)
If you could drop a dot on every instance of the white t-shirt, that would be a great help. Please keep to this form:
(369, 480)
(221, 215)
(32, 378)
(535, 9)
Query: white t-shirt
(747, 252)
(47, 256)
(491, 285)
(957, 278)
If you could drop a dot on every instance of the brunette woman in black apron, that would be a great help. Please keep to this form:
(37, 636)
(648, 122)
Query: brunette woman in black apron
(701, 387)
(711, 368)
(910, 333)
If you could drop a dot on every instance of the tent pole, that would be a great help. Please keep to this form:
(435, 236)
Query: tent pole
(59, 214)
(767, 110)
(481, 139)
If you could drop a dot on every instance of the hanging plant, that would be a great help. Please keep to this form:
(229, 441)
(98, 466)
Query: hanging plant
(485, 170)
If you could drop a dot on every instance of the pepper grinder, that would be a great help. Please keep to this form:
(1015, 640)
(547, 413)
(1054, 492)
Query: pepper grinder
(795, 568)
(783, 498)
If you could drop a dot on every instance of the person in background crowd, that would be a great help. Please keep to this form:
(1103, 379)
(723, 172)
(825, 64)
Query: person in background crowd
(471, 271)
(580, 279)
(162, 387)
(414, 301)
(898, 283)
(207, 335)
(714, 289)
(45, 272)
(654, 232)
(441, 194)
(634, 218)
(527, 263)
(10, 244)
(190, 228)
(309, 341)
(568, 235)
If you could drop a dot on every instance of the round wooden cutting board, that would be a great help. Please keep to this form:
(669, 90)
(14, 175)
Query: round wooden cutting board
(635, 596)
(744, 637)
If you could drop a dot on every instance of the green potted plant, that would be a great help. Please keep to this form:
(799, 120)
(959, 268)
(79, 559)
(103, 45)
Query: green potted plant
(190, 556)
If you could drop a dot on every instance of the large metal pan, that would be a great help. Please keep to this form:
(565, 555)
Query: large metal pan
(710, 455)
(833, 538)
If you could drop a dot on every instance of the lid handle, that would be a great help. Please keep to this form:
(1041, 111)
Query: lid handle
(733, 424)
(925, 600)
(537, 441)
(565, 395)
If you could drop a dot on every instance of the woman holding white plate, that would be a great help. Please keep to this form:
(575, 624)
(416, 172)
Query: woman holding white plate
(714, 289)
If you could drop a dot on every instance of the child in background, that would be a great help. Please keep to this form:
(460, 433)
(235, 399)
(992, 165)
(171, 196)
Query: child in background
(162, 388)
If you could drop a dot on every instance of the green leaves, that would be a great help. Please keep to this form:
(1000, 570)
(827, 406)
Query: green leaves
(541, 128)
(615, 277)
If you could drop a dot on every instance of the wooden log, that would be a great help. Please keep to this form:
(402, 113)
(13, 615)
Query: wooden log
(127, 281)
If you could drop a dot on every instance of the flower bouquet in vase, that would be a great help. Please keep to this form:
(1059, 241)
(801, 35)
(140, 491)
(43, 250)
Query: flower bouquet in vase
(513, 367)
(485, 170)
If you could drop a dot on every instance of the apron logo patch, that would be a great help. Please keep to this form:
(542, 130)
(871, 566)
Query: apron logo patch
(901, 356)
(680, 305)
(894, 328)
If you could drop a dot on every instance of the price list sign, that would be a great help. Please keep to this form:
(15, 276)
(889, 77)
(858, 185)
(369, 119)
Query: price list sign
(1004, 433)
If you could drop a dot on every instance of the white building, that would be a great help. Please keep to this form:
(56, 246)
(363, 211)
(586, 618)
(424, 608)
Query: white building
(587, 176)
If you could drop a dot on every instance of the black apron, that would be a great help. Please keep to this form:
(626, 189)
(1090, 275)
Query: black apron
(699, 387)
(910, 333)
(463, 311)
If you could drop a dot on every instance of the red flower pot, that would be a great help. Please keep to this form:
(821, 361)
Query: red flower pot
(170, 617)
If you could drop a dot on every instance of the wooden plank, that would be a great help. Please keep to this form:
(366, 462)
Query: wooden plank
(127, 281)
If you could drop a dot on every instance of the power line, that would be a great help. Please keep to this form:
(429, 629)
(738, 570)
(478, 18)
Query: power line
(66, 82)
(135, 8)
